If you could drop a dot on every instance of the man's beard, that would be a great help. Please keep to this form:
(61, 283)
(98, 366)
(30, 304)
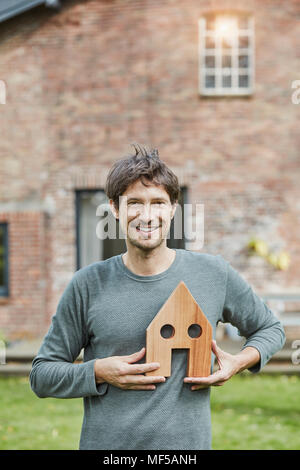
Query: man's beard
(145, 247)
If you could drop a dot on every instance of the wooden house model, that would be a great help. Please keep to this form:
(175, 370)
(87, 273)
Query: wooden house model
(180, 324)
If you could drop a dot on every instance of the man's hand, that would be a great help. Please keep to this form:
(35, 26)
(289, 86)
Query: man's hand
(120, 372)
(229, 365)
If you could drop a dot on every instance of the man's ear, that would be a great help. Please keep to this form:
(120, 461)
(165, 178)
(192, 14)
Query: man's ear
(114, 209)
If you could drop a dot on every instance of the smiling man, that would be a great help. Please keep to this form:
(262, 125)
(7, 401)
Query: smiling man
(107, 306)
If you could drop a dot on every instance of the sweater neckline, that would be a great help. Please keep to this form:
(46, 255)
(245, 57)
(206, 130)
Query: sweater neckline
(155, 277)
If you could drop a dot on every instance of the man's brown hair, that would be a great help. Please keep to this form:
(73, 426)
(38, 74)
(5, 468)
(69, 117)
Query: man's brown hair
(145, 165)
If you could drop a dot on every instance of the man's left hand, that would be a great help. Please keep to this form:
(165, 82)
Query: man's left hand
(229, 365)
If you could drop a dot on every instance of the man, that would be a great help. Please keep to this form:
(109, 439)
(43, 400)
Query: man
(107, 306)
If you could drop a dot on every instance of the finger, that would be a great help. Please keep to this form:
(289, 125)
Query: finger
(142, 368)
(142, 379)
(218, 384)
(218, 352)
(197, 380)
(142, 387)
(135, 356)
(215, 349)
(210, 380)
(199, 387)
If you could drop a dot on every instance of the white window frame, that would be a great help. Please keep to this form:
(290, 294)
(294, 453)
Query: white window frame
(234, 70)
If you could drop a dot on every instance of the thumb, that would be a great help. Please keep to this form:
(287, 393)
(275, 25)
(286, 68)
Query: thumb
(216, 350)
(135, 356)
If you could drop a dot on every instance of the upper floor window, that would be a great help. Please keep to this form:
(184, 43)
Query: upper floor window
(3, 259)
(226, 47)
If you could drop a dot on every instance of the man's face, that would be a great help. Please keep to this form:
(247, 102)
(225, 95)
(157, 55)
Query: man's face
(145, 214)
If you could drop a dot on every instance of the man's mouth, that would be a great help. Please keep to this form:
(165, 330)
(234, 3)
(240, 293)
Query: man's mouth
(147, 230)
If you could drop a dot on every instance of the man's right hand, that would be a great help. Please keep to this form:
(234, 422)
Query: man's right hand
(121, 372)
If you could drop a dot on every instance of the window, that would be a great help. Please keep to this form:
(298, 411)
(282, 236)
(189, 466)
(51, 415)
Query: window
(226, 55)
(3, 260)
(91, 248)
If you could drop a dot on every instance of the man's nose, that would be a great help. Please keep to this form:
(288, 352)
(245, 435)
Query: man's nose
(146, 213)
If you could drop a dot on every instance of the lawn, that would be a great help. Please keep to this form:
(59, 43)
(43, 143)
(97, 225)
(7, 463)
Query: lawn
(248, 412)
(257, 412)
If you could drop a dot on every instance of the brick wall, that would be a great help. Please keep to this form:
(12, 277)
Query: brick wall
(84, 83)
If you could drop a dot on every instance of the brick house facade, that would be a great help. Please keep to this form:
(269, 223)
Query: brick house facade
(84, 82)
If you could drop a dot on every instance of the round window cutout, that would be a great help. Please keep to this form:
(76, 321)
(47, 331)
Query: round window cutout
(194, 331)
(167, 331)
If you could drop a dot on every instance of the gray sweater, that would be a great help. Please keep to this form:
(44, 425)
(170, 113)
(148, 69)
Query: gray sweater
(105, 310)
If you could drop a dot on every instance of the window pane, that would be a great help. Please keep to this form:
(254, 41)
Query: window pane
(243, 81)
(226, 81)
(210, 43)
(209, 81)
(210, 61)
(226, 61)
(243, 22)
(210, 23)
(243, 61)
(227, 42)
(243, 42)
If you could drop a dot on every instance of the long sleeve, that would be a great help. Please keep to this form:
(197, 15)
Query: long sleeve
(244, 309)
(53, 372)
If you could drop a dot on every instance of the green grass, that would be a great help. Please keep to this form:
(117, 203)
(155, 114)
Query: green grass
(28, 422)
(248, 412)
(257, 412)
